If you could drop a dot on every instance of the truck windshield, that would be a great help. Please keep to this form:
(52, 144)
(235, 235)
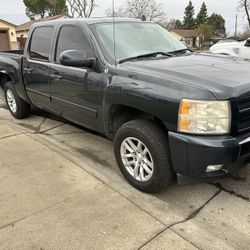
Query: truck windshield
(134, 39)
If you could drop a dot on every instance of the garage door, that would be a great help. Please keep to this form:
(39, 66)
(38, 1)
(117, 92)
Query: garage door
(4, 41)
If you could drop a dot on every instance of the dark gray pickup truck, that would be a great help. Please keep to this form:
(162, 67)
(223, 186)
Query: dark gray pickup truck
(169, 111)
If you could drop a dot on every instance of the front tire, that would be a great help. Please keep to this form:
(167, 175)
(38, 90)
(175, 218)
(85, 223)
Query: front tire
(142, 154)
(17, 106)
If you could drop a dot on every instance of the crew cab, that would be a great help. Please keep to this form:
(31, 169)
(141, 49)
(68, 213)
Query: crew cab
(232, 48)
(170, 111)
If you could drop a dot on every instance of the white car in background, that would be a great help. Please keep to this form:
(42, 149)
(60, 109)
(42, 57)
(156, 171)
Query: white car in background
(232, 48)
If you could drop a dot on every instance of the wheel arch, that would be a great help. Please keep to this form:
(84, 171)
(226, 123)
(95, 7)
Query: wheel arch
(119, 114)
(4, 78)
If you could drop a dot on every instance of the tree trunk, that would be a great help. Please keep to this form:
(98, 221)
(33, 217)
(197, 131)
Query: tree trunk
(247, 11)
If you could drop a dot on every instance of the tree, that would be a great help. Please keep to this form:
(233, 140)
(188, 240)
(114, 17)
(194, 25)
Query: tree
(245, 4)
(148, 9)
(189, 21)
(120, 11)
(206, 31)
(38, 9)
(178, 24)
(218, 24)
(81, 8)
(57, 7)
(202, 15)
(173, 24)
(245, 34)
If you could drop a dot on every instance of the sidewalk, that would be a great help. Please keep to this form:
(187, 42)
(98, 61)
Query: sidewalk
(48, 202)
(60, 190)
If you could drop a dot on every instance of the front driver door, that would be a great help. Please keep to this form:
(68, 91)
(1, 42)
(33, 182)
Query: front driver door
(76, 92)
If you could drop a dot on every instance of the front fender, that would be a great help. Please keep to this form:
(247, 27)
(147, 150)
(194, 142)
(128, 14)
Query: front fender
(160, 99)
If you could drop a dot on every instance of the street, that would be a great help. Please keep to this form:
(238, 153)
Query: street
(60, 188)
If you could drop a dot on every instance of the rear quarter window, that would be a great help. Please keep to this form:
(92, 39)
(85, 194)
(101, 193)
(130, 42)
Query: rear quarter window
(40, 44)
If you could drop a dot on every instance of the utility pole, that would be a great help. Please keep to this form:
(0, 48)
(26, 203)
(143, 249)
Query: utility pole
(236, 26)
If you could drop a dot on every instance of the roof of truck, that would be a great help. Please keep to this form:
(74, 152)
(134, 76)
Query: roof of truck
(93, 20)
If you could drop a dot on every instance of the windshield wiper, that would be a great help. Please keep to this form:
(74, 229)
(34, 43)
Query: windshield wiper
(180, 51)
(145, 55)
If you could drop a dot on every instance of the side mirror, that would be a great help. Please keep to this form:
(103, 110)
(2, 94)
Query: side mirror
(247, 44)
(76, 58)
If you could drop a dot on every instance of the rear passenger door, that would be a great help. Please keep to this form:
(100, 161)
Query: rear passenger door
(36, 70)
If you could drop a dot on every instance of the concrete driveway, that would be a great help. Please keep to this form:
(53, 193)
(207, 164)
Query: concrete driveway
(60, 189)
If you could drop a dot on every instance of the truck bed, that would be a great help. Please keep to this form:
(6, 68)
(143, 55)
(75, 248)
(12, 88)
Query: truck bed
(19, 52)
(14, 54)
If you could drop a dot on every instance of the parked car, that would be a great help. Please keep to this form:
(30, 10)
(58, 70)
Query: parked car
(233, 48)
(168, 110)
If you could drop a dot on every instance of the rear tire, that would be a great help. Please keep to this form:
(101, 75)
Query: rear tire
(17, 106)
(142, 154)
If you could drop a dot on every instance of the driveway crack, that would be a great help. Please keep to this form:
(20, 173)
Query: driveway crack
(12, 224)
(218, 185)
(70, 133)
(39, 127)
(45, 131)
(9, 136)
(190, 217)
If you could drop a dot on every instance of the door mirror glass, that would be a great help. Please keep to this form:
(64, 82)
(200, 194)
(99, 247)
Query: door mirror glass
(247, 44)
(76, 58)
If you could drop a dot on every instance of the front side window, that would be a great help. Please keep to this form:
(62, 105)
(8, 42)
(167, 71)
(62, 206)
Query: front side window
(72, 38)
(134, 39)
(40, 43)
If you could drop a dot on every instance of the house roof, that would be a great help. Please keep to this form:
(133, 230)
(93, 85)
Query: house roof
(27, 26)
(186, 33)
(11, 24)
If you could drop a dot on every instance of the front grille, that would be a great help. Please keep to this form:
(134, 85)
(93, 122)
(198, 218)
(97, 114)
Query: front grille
(244, 115)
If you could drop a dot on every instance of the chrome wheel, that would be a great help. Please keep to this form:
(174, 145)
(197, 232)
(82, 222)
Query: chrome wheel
(11, 101)
(137, 159)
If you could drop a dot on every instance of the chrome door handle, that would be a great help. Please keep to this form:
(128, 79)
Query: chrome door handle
(28, 70)
(55, 77)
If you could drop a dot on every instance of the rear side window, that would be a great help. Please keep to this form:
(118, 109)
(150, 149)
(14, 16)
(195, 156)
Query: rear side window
(40, 43)
(72, 38)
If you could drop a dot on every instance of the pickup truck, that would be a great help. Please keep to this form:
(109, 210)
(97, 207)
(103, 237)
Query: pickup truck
(232, 48)
(170, 111)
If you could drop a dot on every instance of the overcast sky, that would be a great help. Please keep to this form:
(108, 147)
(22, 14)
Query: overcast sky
(14, 10)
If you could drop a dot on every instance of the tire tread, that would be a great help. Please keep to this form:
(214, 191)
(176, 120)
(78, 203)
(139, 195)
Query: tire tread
(158, 139)
(23, 108)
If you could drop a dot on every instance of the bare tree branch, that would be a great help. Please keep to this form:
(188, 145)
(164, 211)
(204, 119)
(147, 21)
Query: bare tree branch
(149, 9)
(245, 4)
(81, 8)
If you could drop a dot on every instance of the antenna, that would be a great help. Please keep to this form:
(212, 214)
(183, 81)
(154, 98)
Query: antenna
(236, 26)
(114, 36)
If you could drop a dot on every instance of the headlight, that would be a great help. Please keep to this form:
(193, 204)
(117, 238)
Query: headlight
(204, 117)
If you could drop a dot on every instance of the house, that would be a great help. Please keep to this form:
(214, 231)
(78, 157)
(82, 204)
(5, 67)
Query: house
(190, 37)
(23, 29)
(8, 39)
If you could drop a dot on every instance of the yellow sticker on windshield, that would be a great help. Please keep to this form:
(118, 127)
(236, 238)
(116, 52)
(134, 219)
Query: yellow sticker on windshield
(106, 71)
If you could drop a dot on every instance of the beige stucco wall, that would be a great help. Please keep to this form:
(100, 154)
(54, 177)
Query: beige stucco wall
(178, 37)
(12, 34)
(188, 41)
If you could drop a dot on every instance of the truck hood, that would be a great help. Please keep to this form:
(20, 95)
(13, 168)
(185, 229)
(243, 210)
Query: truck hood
(223, 76)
